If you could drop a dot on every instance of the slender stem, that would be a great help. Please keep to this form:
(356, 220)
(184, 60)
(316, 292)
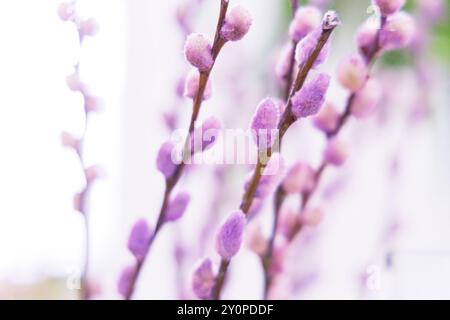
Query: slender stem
(220, 279)
(289, 75)
(306, 196)
(287, 119)
(266, 259)
(370, 58)
(172, 181)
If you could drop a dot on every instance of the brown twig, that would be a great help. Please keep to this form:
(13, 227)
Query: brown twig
(172, 181)
(287, 119)
(289, 75)
(369, 57)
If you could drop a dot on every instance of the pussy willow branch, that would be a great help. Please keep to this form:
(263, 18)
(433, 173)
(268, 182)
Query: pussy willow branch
(279, 193)
(85, 293)
(370, 59)
(287, 119)
(172, 181)
(289, 75)
(80, 198)
(280, 196)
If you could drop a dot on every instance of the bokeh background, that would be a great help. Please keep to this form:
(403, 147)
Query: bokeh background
(397, 177)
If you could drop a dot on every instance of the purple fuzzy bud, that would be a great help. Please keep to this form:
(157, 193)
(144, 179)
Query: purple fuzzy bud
(306, 19)
(180, 86)
(66, 11)
(229, 236)
(327, 118)
(352, 73)
(366, 99)
(312, 217)
(388, 7)
(198, 52)
(300, 178)
(236, 25)
(336, 152)
(139, 239)
(282, 67)
(308, 100)
(264, 123)
(73, 82)
(88, 27)
(306, 47)
(366, 35)
(203, 279)
(68, 140)
(398, 31)
(177, 206)
(125, 280)
(191, 86)
(281, 105)
(255, 239)
(165, 161)
(204, 137)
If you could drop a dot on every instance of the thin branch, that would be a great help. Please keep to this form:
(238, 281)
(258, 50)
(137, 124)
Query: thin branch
(369, 57)
(172, 181)
(287, 119)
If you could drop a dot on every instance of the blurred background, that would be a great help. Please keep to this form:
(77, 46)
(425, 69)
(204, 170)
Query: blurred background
(386, 230)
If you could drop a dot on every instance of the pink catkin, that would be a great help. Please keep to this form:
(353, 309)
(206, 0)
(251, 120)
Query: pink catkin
(308, 100)
(352, 73)
(229, 236)
(306, 19)
(327, 118)
(306, 47)
(197, 51)
(125, 280)
(165, 161)
(388, 7)
(264, 122)
(139, 239)
(398, 31)
(177, 206)
(237, 23)
(203, 279)
(191, 86)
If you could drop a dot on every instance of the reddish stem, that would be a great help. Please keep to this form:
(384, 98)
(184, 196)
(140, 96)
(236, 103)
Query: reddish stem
(287, 119)
(172, 181)
(369, 57)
